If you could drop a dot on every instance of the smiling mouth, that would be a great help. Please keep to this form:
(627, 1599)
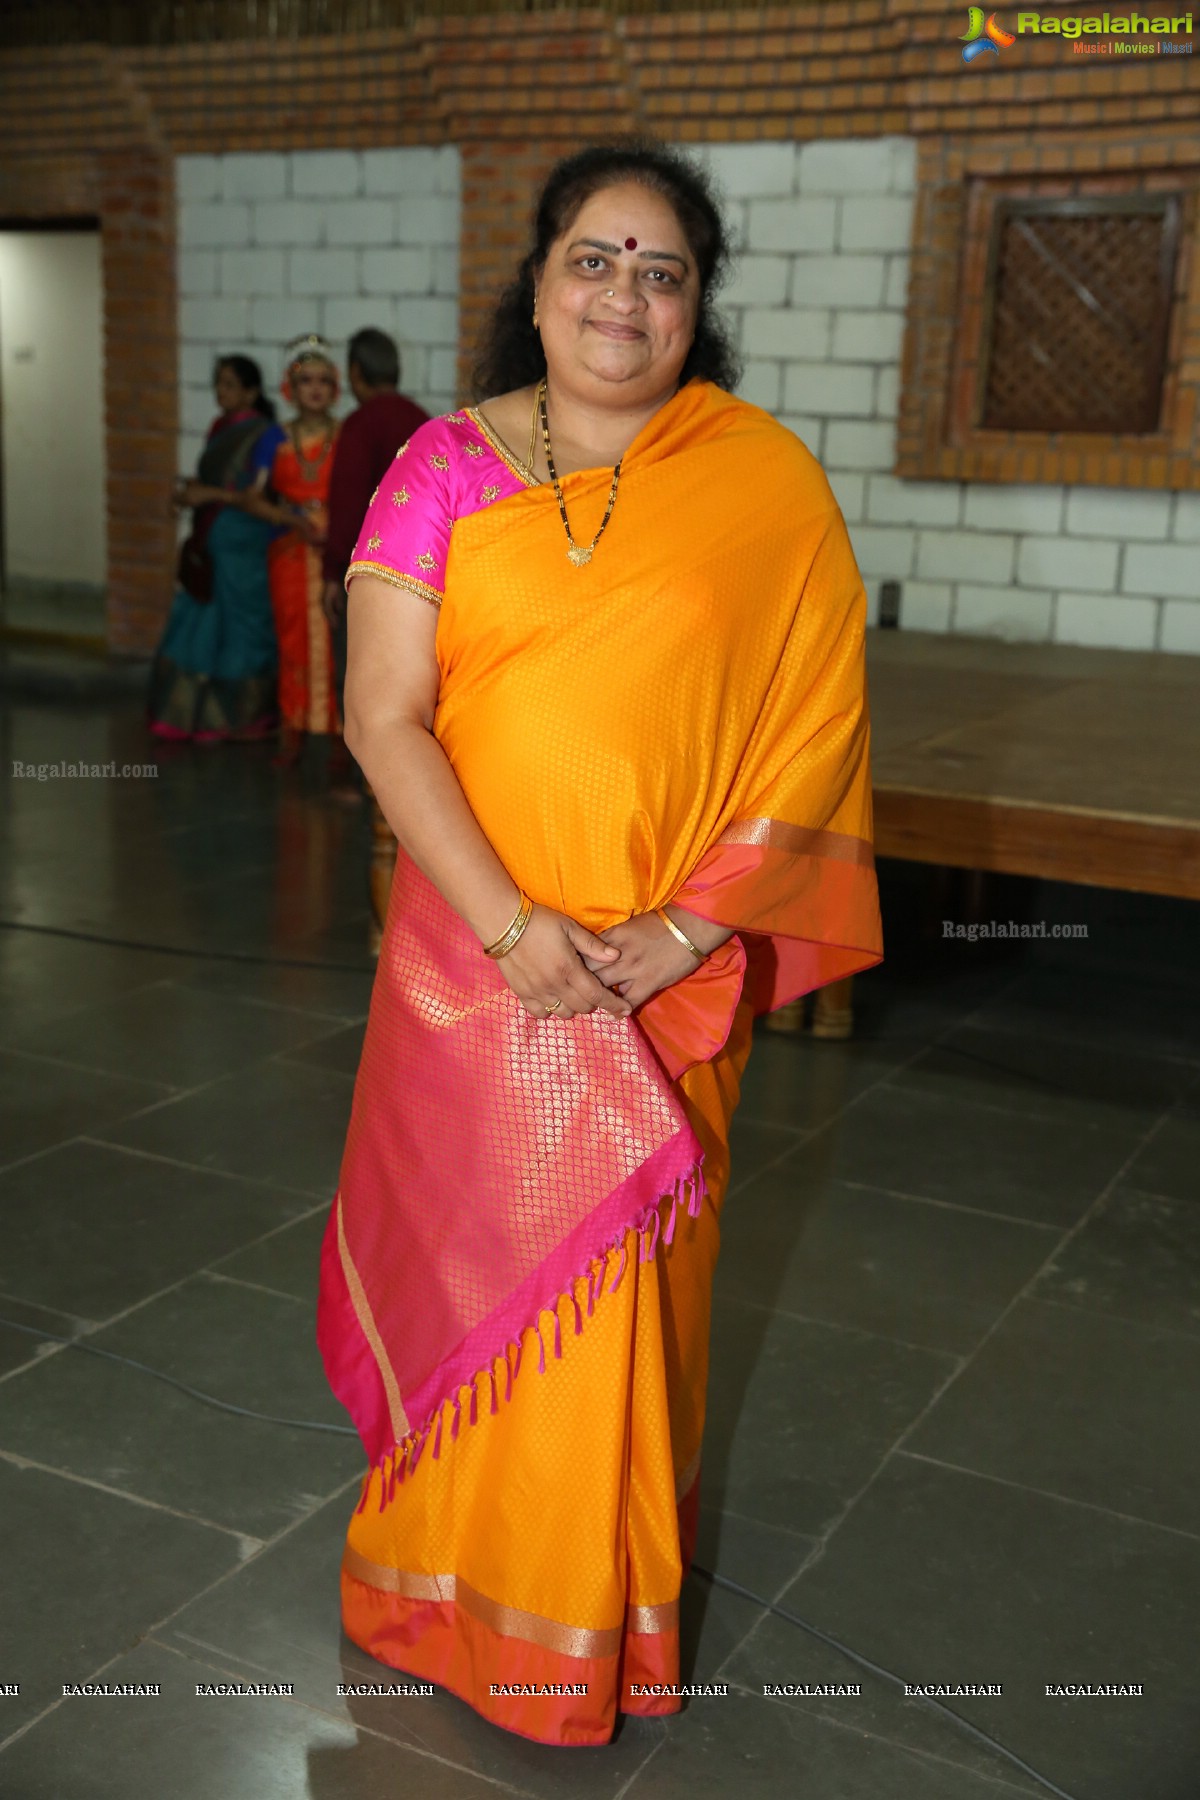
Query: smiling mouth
(625, 333)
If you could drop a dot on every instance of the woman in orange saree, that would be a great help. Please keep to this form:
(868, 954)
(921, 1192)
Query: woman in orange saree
(294, 493)
(609, 691)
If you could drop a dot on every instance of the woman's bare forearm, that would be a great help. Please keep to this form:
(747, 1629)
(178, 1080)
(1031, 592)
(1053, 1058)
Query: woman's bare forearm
(423, 803)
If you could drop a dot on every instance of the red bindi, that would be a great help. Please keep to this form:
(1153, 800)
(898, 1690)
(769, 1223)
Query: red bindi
(631, 243)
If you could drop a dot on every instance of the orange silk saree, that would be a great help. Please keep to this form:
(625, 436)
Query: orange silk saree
(307, 691)
(517, 1272)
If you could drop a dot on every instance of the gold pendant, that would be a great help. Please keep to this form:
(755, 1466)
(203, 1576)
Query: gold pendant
(579, 554)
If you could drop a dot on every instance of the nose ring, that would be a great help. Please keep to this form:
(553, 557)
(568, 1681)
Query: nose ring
(610, 293)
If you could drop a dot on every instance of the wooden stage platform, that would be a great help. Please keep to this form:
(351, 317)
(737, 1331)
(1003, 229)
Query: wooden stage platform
(1037, 759)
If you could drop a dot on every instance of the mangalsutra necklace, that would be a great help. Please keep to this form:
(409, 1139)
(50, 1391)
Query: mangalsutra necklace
(577, 554)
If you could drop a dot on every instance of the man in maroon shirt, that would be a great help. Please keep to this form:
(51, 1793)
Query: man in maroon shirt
(366, 444)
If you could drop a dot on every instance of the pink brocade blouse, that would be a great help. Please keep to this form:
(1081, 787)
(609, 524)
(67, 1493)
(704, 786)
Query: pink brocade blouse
(450, 468)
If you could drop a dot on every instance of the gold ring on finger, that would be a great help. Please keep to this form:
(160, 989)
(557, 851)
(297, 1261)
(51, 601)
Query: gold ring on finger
(552, 1006)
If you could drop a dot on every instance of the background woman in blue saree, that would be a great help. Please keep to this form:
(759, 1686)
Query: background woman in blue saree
(215, 672)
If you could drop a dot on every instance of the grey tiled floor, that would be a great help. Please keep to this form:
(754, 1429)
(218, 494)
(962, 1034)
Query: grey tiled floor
(956, 1337)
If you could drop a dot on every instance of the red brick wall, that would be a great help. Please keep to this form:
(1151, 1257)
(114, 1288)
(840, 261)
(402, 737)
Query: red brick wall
(93, 131)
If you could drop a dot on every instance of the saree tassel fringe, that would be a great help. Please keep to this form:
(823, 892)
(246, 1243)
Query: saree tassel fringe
(653, 1228)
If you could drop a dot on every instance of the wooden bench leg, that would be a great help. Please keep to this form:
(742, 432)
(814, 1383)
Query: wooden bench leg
(787, 1020)
(383, 864)
(833, 1010)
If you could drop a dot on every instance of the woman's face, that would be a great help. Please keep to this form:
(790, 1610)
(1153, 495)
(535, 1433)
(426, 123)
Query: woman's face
(627, 345)
(229, 393)
(314, 387)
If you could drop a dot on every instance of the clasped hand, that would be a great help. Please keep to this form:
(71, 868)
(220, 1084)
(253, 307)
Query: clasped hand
(560, 968)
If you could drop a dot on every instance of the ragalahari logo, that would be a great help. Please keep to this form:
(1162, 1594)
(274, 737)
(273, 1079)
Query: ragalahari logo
(983, 35)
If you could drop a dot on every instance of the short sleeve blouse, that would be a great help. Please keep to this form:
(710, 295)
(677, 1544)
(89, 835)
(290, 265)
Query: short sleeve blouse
(449, 468)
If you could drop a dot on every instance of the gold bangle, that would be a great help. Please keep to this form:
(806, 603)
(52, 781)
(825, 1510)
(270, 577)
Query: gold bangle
(672, 927)
(510, 937)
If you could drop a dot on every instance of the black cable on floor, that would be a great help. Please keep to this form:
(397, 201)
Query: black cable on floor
(242, 1412)
(865, 1662)
(723, 1581)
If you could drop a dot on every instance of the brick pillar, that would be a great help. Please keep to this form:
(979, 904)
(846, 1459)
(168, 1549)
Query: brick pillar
(137, 211)
(500, 181)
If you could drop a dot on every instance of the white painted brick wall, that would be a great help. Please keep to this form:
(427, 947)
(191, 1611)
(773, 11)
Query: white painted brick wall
(1181, 627)
(1120, 623)
(1005, 612)
(272, 245)
(818, 309)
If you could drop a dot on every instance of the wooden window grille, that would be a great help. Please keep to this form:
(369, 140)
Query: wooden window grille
(1080, 294)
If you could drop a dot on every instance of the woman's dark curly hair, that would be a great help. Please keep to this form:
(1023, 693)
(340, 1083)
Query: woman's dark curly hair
(511, 354)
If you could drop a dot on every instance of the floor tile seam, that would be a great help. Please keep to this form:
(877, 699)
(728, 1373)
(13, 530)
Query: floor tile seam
(335, 1019)
(762, 1615)
(838, 1325)
(192, 953)
(221, 1667)
(997, 1323)
(749, 1118)
(20, 1460)
(776, 1310)
(736, 1187)
(256, 1181)
(974, 1212)
(410, 1745)
(1048, 1084)
(627, 1787)
(36, 1358)
(1028, 1291)
(10, 1299)
(216, 1655)
(256, 1287)
(1025, 1487)
(325, 1024)
(1047, 1034)
(1138, 1191)
(149, 1372)
(20, 1731)
(1045, 1114)
(727, 1512)
(827, 1536)
(83, 1068)
(289, 1057)
(49, 1149)
(319, 1207)
(264, 1545)
(882, 1737)
(136, 1306)
(854, 1099)
(1096, 1312)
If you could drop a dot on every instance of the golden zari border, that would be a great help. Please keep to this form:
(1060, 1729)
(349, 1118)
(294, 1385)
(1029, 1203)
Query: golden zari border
(366, 1320)
(800, 840)
(507, 1621)
(500, 449)
(421, 588)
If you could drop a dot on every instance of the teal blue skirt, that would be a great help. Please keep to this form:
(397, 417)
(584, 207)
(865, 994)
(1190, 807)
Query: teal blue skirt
(214, 673)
